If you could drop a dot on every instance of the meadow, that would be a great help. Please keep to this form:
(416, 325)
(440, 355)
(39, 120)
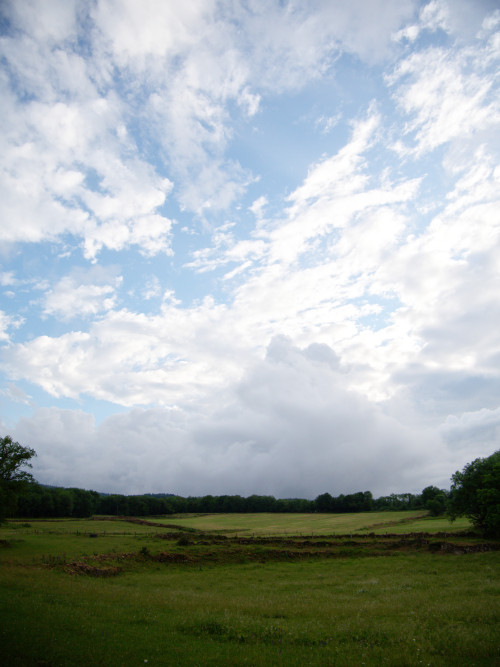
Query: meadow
(374, 589)
(317, 524)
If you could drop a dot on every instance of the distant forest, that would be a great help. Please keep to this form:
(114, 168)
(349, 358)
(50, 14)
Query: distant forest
(36, 500)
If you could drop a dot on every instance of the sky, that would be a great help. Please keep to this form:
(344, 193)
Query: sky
(250, 246)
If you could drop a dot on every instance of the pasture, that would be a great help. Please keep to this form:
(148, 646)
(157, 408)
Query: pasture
(248, 590)
(316, 524)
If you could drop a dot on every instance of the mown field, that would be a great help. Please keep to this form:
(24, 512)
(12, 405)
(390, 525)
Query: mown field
(388, 589)
(317, 524)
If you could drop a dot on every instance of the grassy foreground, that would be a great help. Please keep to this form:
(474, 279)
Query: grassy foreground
(120, 593)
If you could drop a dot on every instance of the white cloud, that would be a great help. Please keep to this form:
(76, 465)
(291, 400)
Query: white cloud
(327, 123)
(340, 173)
(8, 322)
(152, 288)
(474, 432)
(67, 167)
(435, 15)
(258, 206)
(82, 294)
(249, 100)
(197, 63)
(70, 300)
(225, 249)
(137, 33)
(357, 230)
(448, 95)
(53, 20)
(17, 394)
(380, 266)
(7, 279)
(335, 191)
(190, 64)
(460, 18)
(365, 29)
(134, 359)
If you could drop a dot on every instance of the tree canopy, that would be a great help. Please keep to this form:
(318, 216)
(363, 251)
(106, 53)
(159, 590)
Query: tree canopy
(14, 457)
(475, 493)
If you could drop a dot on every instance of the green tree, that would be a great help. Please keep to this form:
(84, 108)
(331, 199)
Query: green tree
(436, 505)
(475, 493)
(324, 503)
(428, 494)
(434, 500)
(63, 501)
(84, 502)
(13, 458)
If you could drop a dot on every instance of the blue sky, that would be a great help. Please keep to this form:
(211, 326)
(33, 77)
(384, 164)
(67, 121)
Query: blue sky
(250, 247)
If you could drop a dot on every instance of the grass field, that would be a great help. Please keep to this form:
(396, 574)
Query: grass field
(317, 524)
(249, 592)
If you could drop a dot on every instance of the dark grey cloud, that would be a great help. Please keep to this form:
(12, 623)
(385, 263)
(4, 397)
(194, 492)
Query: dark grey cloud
(290, 428)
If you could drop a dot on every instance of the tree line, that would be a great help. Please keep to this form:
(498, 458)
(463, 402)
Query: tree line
(475, 492)
(35, 500)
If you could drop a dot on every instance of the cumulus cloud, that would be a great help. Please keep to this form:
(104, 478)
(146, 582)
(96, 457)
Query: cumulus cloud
(290, 427)
(331, 331)
(473, 432)
(197, 65)
(358, 230)
(82, 294)
(132, 358)
(66, 155)
(192, 65)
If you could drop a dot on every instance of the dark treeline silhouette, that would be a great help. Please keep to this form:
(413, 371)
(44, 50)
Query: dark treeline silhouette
(36, 500)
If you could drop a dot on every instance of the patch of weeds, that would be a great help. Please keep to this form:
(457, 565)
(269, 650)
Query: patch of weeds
(270, 634)
(80, 567)
(16, 526)
(53, 560)
(144, 552)
(274, 634)
(366, 638)
(215, 630)
(184, 541)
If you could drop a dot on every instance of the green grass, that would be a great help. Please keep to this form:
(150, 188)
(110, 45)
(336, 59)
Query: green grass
(70, 538)
(315, 524)
(408, 606)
